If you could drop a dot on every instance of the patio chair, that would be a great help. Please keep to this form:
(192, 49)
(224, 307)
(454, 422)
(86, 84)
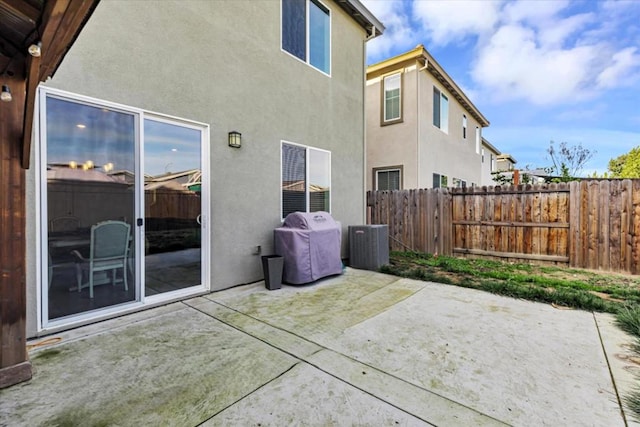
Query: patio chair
(64, 223)
(108, 252)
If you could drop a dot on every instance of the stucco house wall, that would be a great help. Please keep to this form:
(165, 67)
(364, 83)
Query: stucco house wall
(446, 153)
(489, 163)
(393, 144)
(221, 63)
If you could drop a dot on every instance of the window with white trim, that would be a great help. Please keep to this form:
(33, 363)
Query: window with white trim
(440, 110)
(439, 181)
(388, 179)
(478, 138)
(459, 183)
(306, 179)
(392, 102)
(306, 32)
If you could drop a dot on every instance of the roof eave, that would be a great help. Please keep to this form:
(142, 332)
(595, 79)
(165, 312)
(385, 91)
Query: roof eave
(362, 16)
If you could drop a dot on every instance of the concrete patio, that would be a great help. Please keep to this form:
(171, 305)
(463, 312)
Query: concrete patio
(359, 349)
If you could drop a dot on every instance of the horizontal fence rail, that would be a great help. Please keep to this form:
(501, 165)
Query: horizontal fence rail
(583, 224)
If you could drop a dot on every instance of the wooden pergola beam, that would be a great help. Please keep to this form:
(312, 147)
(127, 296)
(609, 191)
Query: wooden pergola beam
(60, 23)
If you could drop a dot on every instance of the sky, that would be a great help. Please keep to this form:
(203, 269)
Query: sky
(538, 70)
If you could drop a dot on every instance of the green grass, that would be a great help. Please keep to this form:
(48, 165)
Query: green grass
(566, 287)
(580, 289)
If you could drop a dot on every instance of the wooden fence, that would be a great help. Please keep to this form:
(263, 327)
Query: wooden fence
(586, 224)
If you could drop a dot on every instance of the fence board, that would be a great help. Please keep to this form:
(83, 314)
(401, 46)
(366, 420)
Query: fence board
(587, 224)
(635, 232)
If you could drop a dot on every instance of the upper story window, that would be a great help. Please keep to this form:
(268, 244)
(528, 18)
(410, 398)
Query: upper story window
(440, 110)
(483, 155)
(306, 32)
(392, 98)
(306, 179)
(464, 126)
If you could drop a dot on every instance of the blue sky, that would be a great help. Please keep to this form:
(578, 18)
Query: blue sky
(538, 70)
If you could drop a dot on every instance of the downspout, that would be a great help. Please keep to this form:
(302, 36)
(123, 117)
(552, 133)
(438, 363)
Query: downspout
(419, 124)
(364, 121)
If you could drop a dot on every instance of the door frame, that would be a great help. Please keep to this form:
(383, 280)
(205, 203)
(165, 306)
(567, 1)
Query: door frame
(43, 323)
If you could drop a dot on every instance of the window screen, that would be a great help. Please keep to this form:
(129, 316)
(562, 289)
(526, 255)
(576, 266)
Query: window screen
(392, 97)
(300, 30)
(306, 179)
(294, 179)
(388, 180)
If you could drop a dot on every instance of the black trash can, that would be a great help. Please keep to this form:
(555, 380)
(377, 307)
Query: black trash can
(272, 266)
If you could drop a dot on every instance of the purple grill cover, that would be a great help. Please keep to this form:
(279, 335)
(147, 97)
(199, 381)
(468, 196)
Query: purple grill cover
(310, 246)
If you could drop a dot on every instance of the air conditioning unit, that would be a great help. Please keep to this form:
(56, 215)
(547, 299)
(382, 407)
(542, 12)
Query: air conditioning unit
(368, 246)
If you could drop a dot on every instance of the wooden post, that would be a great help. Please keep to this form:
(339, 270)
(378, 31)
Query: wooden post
(14, 364)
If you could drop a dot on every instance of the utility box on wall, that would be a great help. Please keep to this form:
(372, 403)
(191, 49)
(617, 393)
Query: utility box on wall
(368, 246)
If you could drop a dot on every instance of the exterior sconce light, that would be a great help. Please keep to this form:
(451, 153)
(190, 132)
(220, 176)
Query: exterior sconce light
(235, 139)
(6, 94)
(35, 49)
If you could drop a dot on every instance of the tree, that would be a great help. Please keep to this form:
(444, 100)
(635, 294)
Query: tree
(626, 165)
(568, 161)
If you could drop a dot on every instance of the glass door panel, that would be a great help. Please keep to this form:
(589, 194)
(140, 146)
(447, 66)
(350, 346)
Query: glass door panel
(173, 206)
(90, 207)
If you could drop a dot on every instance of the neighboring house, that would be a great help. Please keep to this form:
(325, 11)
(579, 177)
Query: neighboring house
(422, 130)
(152, 84)
(489, 155)
(506, 162)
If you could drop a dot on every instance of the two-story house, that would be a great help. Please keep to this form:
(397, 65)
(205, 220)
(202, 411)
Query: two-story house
(242, 98)
(489, 158)
(422, 130)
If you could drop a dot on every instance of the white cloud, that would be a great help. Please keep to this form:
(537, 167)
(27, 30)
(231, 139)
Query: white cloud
(557, 32)
(546, 52)
(452, 21)
(532, 12)
(512, 65)
(545, 55)
(624, 69)
(398, 33)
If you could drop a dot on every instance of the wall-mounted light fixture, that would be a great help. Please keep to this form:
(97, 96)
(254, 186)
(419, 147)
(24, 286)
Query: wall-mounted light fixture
(6, 94)
(235, 139)
(35, 49)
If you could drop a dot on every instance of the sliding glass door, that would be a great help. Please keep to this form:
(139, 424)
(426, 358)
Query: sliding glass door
(122, 207)
(90, 207)
(173, 205)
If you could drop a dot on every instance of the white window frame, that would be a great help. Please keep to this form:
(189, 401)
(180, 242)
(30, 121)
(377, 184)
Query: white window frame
(385, 120)
(478, 139)
(43, 323)
(307, 56)
(443, 117)
(442, 179)
(307, 173)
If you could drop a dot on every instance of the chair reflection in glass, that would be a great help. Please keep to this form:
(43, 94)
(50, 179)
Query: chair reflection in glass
(64, 223)
(108, 251)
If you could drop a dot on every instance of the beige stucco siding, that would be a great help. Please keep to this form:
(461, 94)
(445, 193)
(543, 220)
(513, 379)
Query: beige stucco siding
(487, 176)
(393, 144)
(446, 153)
(220, 63)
